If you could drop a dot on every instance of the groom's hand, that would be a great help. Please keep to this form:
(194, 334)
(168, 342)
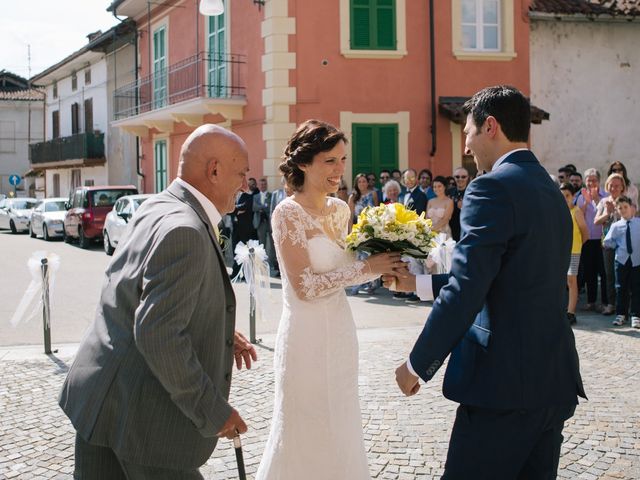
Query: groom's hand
(408, 383)
(404, 282)
(243, 349)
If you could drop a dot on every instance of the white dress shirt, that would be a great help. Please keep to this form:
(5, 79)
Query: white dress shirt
(208, 206)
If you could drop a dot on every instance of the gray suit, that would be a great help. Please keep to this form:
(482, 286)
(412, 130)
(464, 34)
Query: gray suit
(151, 378)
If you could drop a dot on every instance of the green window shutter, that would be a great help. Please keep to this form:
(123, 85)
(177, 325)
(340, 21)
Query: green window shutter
(386, 25)
(375, 146)
(388, 146)
(373, 24)
(363, 148)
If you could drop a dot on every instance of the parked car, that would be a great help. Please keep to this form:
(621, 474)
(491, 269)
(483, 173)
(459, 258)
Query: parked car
(47, 218)
(87, 209)
(118, 219)
(15, 213)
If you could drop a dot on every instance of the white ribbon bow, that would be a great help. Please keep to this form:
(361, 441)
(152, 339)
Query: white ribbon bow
(254, 268)
(32, 298)
(442, 253)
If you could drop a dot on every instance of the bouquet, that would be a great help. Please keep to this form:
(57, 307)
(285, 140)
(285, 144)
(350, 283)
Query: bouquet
(391, 228)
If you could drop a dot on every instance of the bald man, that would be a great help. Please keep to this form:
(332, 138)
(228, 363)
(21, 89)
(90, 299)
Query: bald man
(147, 392)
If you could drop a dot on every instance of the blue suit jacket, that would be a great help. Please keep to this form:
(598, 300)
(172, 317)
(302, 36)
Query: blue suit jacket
(501, 313)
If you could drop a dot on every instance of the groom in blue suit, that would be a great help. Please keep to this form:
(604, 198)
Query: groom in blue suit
(501, 313)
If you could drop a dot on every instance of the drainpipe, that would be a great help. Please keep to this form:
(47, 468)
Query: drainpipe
(135, 59)
(433, 79)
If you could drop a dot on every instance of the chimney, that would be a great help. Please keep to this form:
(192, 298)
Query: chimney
(92, 36)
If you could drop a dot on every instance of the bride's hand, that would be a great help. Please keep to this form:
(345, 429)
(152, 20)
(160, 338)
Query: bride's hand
(386, 263)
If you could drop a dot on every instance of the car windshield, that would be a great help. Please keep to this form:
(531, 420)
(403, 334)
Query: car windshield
(54, 206)
(137, 202)
(22, 204)
(106, 198)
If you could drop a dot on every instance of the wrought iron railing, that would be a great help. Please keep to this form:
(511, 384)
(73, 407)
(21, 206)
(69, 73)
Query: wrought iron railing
(206, 74)
(79, 146)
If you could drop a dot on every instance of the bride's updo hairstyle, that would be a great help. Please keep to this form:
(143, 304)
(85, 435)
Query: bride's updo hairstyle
(311, 138)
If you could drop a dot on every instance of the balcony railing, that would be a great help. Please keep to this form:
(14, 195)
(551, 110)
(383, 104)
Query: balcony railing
(206, 75)
(84, 146)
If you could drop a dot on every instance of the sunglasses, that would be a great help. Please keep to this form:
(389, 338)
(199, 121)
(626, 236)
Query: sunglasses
(384, 177)
(460, 176)
(617, 170)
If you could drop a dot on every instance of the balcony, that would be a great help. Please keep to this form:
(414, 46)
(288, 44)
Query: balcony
(202, 84)
(78, 148)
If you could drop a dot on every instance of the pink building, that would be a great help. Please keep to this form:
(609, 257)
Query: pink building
(367, 66)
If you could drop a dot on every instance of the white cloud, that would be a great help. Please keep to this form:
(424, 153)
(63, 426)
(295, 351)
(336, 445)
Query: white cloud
(54, 29)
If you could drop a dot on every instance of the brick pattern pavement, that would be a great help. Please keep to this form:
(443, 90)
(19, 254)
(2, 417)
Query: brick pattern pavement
(405, 438)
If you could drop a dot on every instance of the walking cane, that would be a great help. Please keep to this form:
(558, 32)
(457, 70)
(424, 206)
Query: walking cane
(239, 458)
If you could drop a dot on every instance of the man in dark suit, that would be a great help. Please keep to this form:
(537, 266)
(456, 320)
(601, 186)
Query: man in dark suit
(148, 390)
(501, 313)
(461, 176)
(262, 218)
(414, 198)
(243, 230)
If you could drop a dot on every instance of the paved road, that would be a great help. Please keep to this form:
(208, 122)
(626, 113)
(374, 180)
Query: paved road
(405, 438)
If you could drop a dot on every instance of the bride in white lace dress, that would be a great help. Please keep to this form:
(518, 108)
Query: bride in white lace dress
(316, 430)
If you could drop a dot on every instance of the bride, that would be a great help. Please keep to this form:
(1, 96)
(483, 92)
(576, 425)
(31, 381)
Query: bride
(316, 430)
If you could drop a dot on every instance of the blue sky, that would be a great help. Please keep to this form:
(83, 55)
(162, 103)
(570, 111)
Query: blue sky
(53, 28)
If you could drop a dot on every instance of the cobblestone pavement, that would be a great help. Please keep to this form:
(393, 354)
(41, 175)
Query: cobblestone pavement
(405, 438)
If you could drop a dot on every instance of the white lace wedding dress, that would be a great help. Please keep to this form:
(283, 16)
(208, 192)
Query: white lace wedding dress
(316, 430)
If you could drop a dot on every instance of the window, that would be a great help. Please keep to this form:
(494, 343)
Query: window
(75, 118)
(88, 115)
(55, 89)
(483, 29)
(373, 28)
(160, 151)
(375, 147)
(56, 184)
(87, 76)
(55, 124)
(74, 82)
(159, 68)
(481, 25)
(373, 25)
(217, 61)
(76, 179)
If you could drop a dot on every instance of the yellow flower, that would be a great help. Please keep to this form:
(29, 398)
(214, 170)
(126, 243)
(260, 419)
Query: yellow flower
(404, 216)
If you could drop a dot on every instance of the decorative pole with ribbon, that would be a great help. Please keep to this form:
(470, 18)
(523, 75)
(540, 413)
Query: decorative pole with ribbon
(46, 311)
(254, 269)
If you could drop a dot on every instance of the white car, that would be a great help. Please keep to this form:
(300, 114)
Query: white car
(47, 218)
(15, 213)
(118, 218)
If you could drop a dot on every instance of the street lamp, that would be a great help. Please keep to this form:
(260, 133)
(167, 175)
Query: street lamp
(211, 7)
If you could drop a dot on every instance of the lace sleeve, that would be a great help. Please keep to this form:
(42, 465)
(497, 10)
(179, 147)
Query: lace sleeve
(290, 226)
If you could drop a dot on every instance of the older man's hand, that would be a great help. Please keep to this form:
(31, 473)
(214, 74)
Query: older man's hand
(404, 282)
(409, 384)
(243, 349)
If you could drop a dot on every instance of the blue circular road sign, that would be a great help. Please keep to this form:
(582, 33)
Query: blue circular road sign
(14, 180)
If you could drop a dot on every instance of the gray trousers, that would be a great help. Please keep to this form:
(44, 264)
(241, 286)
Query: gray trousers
(94, 462)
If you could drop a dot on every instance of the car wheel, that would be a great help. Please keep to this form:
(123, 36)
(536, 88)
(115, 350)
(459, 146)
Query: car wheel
(12, 226)
(108, 248)
(45, 233)
(66, 238)
(82, 240)
(31, 232)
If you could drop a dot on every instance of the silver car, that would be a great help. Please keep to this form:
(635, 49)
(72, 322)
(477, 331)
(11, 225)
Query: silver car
(47, 218)
(118, 218)
(15, 213)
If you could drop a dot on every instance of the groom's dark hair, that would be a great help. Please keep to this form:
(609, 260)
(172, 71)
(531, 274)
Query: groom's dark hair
(507, 105)
(311, 138)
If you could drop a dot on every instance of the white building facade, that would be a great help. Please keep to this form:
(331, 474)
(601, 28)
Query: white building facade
(585, 69)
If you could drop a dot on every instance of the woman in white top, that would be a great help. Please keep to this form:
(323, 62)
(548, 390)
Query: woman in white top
(440, 208)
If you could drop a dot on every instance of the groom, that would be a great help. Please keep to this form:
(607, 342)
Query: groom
(501, 313)
(148, 390)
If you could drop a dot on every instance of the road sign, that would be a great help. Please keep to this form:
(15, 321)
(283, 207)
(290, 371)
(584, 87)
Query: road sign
(14, 180)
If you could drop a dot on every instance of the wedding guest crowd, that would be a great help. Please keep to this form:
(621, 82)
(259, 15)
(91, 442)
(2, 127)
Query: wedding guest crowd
(597, 268)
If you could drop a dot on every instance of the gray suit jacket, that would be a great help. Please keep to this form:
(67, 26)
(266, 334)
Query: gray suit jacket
(151, 378)
(261, 213)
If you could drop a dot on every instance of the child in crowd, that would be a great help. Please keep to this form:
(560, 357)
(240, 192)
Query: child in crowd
(624, 236)
(580, 235)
